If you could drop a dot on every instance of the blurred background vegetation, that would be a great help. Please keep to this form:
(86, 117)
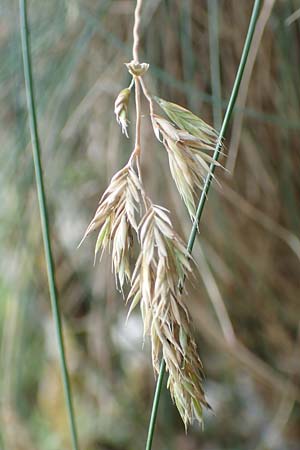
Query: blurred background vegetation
(245, 298)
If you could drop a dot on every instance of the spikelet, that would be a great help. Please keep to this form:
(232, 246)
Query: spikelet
(163, 262)
(121, 107)
(188, 121)
(115, 217)
(188, 149)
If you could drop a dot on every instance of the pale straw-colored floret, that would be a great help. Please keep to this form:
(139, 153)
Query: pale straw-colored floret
(160, 270)
(121, 109)
(115, 216)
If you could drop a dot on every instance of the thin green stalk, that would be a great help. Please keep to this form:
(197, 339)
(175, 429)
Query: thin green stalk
(206, 187)
(44, 216)
(155, 404)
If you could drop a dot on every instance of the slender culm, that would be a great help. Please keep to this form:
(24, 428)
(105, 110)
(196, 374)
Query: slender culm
(44, 215)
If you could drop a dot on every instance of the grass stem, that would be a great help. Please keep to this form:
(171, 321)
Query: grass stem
(156, 398)
(44, 215)
(201, 204)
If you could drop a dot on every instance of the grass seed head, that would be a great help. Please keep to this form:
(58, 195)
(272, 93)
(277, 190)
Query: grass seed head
(115, 216)
(121, 109)
(188, 121)
(188, 154)
(160, 269)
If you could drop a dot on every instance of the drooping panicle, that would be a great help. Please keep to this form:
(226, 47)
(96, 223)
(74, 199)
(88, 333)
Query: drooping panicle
(163, 262)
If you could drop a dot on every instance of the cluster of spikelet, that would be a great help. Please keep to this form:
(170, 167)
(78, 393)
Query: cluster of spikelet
(126, 218)
(188, 143)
